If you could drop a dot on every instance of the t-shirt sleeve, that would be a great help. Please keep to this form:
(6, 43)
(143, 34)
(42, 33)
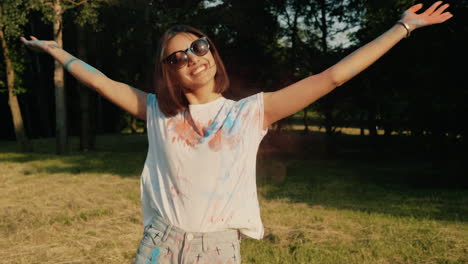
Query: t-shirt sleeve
(253, 113)
(261, 113)
(152, 110)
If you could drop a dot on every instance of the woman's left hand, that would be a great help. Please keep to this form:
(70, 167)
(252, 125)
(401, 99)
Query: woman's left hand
(433, 15)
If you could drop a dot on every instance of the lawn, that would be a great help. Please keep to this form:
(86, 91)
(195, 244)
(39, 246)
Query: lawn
(85, 208)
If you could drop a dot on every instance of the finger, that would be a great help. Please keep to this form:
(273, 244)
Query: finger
(414, 8)
(33, 38)
(446, 16)
(433, 7)
(440, 10)
(25, 41)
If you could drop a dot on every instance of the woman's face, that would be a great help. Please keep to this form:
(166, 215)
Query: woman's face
(199, 71)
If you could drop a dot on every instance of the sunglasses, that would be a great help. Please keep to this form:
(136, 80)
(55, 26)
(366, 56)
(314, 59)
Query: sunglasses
(179, 59)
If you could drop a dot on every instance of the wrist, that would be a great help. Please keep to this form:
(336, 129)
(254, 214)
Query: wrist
(51, 47)
(405, 26)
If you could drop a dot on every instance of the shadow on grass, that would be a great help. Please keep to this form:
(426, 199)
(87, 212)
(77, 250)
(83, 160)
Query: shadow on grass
(389, 187)
(122, 155)
(393, 184)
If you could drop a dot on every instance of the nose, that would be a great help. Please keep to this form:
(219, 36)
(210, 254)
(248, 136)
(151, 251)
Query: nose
(192, 58)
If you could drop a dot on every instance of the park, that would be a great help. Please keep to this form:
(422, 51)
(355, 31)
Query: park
(374, 172)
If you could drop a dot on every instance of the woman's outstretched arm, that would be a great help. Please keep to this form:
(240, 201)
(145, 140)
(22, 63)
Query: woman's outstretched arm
(128, 98)
(297, 96)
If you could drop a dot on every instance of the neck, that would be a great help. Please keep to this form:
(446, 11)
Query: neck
(202, 95)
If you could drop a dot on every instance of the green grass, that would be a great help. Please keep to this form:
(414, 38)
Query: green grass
(85, 208)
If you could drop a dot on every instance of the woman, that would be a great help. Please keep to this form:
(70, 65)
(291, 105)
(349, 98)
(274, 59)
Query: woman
(198, 183)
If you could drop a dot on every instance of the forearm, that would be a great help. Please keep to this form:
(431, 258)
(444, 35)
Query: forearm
(128, 98)
(79, 69)
(362, 58)
(291, 99)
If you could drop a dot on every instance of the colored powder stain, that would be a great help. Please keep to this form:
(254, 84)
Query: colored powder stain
(216, 142)
(183, 132)
(233, 141)
(154, 257)
(90, 68)
(228, 123)
(210, 129)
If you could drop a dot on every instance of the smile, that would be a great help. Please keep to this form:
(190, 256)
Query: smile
(199, 69)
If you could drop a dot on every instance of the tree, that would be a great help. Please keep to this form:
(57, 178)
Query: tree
(12, 18)
(53, 11)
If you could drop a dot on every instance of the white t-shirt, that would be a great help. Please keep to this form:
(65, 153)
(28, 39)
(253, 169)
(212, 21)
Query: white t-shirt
(199, 173)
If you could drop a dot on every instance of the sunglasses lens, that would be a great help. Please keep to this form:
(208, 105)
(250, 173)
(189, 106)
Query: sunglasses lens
(178, 59)
(200, 47)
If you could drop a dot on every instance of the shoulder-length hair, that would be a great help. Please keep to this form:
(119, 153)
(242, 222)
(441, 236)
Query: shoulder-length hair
(171, 98)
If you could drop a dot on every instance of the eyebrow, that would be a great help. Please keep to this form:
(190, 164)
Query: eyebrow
(187, 36)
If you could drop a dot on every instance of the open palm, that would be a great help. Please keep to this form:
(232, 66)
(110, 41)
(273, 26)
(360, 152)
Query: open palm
(39, 45)
(433, 15)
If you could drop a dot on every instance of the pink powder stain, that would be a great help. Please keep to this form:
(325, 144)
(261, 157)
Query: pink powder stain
(175, 192)
(216, 143)
(220, 139)
(214, 219)
(187, 251)
(232, 142)
(183, 131)
(183, 180)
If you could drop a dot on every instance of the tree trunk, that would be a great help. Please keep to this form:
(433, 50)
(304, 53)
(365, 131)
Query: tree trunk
(331, 147)
(40, 92)
(86, 141)
(60, 105)
(20, 133)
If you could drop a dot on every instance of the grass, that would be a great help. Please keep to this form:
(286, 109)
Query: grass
(85, 208)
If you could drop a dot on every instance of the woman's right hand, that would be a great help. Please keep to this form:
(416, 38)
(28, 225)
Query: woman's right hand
(39, 45)
(435, 14)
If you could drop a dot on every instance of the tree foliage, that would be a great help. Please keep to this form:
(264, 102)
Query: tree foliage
(415, 89)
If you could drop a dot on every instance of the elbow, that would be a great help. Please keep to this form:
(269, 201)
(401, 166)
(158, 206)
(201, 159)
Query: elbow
(332, 79)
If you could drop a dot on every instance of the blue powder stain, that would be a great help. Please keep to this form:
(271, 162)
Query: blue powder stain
(154, 257)
(229, 122)
(90, 68)
(241, 104)
(210, 129)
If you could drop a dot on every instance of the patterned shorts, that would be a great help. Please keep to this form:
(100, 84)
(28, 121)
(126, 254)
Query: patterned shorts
(164, 243)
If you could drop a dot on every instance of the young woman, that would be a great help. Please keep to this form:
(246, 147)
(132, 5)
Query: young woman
(198, 184)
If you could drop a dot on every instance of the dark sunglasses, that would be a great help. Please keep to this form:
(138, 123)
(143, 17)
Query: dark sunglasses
(179, 59)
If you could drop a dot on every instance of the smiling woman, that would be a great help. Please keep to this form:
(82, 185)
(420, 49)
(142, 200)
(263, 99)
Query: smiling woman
(198, 185)
(191, 70)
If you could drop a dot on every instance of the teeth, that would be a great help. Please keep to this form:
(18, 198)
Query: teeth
(201, 68)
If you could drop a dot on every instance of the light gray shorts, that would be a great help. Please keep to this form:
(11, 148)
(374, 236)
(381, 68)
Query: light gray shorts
(164, 243)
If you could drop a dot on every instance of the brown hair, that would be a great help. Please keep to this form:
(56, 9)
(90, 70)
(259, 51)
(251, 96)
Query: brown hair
(171, 99)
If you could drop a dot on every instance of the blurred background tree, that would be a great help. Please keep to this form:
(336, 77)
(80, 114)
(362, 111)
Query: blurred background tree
(413, 95)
